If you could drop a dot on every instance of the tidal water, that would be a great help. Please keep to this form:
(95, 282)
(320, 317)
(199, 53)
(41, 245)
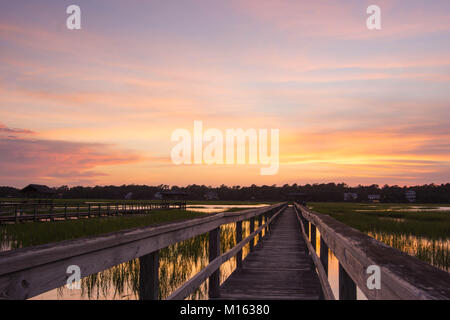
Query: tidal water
(181, 261)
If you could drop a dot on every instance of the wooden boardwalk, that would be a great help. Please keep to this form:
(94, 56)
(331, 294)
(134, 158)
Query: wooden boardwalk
(33, 212)
(278, 268)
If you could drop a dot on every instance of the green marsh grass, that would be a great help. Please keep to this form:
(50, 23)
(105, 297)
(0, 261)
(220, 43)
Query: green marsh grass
(424, 234)
(36, 233)
(178, 262)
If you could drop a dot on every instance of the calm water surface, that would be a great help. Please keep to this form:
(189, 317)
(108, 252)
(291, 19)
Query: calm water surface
(178, 263)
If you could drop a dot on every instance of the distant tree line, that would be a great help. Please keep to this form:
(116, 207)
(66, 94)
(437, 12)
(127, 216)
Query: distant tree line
(429, 193)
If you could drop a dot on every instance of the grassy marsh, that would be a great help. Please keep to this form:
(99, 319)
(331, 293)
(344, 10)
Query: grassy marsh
(419, 230)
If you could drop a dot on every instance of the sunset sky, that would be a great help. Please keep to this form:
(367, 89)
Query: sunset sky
(99, 105)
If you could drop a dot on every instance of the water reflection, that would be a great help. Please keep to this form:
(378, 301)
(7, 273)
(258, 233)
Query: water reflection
(333, 270)
(221, 208)
(435, 252)
(178, 263)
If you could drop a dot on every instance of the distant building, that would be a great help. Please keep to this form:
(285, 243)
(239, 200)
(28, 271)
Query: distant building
(350, 196)
(38, 191)
(129, 196)
(410, 195)
(211, 195)
(158, 196)
(374, 197)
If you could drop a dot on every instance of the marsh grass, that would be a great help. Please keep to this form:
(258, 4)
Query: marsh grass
(178, 262)
(424, 234)
(36, 233)
(189, 202)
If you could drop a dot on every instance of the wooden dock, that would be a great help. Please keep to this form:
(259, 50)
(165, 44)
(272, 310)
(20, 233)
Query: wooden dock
(283, 265)
(38, 212)
(279, 267)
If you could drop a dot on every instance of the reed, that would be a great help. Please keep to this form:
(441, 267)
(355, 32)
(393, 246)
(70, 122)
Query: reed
(424, 233)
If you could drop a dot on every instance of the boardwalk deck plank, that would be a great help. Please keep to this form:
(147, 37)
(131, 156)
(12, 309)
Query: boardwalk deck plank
(278, 268)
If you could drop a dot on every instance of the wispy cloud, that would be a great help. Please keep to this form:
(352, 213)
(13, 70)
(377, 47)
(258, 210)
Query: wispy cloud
(66, 162)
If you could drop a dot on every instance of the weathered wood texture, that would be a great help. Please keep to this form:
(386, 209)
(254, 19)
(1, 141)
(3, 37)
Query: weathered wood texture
(278, 268)
(402, 276)
(149, 276)
(347, 288)
(326, 292)
(214, 252)
(189, 286)
(27, 272)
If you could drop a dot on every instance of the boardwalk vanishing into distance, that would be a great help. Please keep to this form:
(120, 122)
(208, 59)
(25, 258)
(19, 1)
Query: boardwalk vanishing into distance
(284, 263)
(279, 267)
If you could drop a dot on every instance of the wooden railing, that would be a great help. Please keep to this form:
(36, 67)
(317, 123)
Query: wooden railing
(20, 212)
(401, 275)
(27, 272)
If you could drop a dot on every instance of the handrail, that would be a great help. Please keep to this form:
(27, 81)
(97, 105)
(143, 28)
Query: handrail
(186, 289)
(401, 276)
(44, 212)
(323, 277)
(27, 272)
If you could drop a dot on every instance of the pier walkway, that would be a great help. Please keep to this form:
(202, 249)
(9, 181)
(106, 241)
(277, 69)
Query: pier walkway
(279, 267)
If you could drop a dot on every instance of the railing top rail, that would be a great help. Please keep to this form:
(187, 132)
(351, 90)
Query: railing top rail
(44, 266)
(402, 276)
(322, 274)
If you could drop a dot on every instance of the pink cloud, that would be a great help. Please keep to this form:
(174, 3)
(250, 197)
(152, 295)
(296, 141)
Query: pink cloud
(4, 129)
(56, 162)
(344, 19)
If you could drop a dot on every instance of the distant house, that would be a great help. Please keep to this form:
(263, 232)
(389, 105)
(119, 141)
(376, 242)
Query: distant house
(374, 197)
(129, 196)
(211, 195)
(410, 195)
(350, 196)
(38, 191)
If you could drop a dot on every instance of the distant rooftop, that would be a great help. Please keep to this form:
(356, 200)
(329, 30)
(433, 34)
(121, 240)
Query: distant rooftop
(38, 188)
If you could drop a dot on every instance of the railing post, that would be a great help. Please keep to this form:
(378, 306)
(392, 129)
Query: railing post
(214, 252)
(313, 236)
(252, 229)
(266, 218)
(347, 288)
(324, 254)
(51, 212)
(149, 276)
(259, 225)
(239, 239)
